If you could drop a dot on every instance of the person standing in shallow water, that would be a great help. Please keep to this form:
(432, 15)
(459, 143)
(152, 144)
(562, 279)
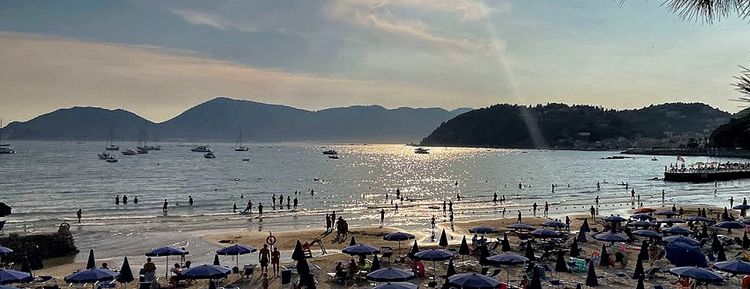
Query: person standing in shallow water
(382, 217)
(260, 208)
(190, 200)
(124, 199)
(593, 212)
(534, 208)
(165, 206)
(79, 214)
(295, 203)
(135, 201)
(117, 200)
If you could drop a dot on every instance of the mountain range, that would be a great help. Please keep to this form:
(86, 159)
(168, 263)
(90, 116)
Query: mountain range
(579, 126)
(222, 119)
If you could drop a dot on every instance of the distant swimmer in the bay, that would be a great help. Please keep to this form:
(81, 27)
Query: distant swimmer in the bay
(135, 201)
(79, 214)
(234, 208)
(125, 199)
(190, 200)
(117, 200)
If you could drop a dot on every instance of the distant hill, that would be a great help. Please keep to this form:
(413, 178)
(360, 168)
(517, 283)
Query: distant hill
(735, 134)
(580, 126)
(221, 119)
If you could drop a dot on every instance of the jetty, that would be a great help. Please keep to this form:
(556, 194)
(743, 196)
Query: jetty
(707, 172)
(40, 246)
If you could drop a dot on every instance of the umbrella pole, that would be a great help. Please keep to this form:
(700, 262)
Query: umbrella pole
(238, 262)
(507, 275)
(166, 274)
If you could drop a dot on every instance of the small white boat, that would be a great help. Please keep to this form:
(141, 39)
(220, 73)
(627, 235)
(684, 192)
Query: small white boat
(422, 151)
(5, 148)
(330, 152)
(129, 152)
(112, 147)
(209, 156)
(201, 149)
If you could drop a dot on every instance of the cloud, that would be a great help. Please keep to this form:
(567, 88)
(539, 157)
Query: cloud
(42, 74)
(202, 18)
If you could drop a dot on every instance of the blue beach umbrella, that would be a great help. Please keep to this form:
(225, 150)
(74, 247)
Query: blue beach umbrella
(698, 219)
(734, 267)
(696, 273)
(614, 219)
(666, 213)
(741, 207)
(545, 233)
(730, 225)
(8, 276)
(434, 255)
(206, 272)
(611, 237)
(676, 230)
(644, 224)
(681, 239)
(642, 217)
(681, 254)
(7, 287)
(554, 224)
(361, 250)
(507, 259)
(396, 285)
(521, 226)
(390, 275)
(482, 230)
(91, 276)
(670, 221)
(647, 233)
(473, 281)
(5, 251)
(236, 250)
(398, 237)
(166, 252)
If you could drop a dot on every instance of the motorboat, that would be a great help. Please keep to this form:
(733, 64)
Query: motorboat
(201, 149)
(333, 157)
(245, 160)
(422, 151)
(104, 156)
(209, 155)
(129, 152)
(330, 152)
(150, 148)
(4, 147)
(112, 147)
(141, 151)
(112, 160)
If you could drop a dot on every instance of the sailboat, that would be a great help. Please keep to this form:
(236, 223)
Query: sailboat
(111, 146)
(239, 147)
(143, 147)
(5, 148)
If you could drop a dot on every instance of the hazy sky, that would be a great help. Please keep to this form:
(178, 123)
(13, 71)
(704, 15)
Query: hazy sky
(158, 58)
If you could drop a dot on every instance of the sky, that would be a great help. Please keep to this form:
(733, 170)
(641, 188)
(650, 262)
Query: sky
(159, 58)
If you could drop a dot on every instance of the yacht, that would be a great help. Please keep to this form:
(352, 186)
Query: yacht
(330, 152)
(4, 147)
(112, 147)
(209, 155)
(141, 151)
(201, 149)
(240, 147)
(129, 152)
(422, 151)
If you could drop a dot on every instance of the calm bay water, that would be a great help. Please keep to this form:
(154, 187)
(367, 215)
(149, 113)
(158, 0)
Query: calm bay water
(46, 182)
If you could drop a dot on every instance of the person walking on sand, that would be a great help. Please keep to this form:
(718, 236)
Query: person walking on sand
(275, 260)
(328, 223)
(264, 257)
(190, 200)
(494, 198)
(78, 214)
(519, 216)
(124, 199)
(546, 209)
(165, 206)
(382, 217)
(593, 212)
(432, 222)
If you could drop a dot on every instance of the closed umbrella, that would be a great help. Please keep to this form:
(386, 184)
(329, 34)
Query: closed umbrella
(390, 275)
(536, 280)
(303, 269)
(464, 248)
(575, 251)
(451, 269)
(396, 285)
(8, 276)
(5, 210)
(361, 250)
(206, 272)
(585, 226)
(721, 255)
(398, 237)
(236, 250)
(414, 250)
(443, 240)
(504, 244)
(482, 230)
(582, 237)
(126, 273)
(529, 251)
(352, 242)
(91, 276)
(696, 273)
(640, 284)
(166, 252)
(677, 230)
(473, 281)
(298, 252)
(591, 279)
(91, 263)
(638, 272)
(734, 267)
(560, 265)
(216, 260)
(375, 263)
(604, 262)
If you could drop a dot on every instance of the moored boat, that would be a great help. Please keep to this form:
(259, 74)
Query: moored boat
(209, 155)
(422, 151)
(201, 149)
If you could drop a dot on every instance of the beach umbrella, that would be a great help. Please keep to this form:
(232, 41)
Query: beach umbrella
(575, 251)
(554, 224)
(414, 250)
(206, 272)
(681, 239)
(451, 269)
(585, 226)
(398, 237)
(614, 219)
(645, 210)
(5, 251)
(730, 225)
(545, 233)
(666, 213)
(482, 230)
(375, 263)
(352, 242)
(443, 240)
(647, 233)
(473, 281)
(670, 221)
(741, 207)
(591, 279)
(721, 255)
(611, 237)
(642, 217)
(91, 276)
(91, 263)
(734, 267)
(298, 252)
(396, 285)
(638, 272)
(640, 284)
(166, 252)
(126, 273)
(5, 210)
(504, 244)
(581, 237)
(236, 250)
(434, 255)
(529, 251)
(560, 265)
(7, 287)
(745, 241)
(604, 257)
(483, 254)
(698, 219)
(464, 248)
(643, 253)
(390, 275)
(696, 273)
(521, 226)
(745, 221)
(216, 260)
(8, 276)
(536, 280)
(507, 259)
(677, 230)
(644, 224)
(681, 254)
(361, 250)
